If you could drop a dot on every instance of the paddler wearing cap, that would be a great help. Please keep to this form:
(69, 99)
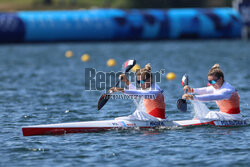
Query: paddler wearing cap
(151, 96)
(220, 91)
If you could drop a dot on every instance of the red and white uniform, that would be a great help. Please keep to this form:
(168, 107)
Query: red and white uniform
(153, 100)
(226, 98)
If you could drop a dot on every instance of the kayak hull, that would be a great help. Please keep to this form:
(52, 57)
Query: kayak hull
(99, 126)
(87, 127)
(59, 131)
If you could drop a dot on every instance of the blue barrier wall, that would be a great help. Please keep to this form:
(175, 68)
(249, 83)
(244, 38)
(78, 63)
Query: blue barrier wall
(12, 28)
(116, 24)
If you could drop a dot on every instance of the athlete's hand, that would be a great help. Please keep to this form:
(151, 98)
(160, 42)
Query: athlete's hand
(115, 89)
(188, 97)
(190, 90)
(123, 78)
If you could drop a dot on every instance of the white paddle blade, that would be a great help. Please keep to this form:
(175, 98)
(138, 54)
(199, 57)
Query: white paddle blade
(184, 80)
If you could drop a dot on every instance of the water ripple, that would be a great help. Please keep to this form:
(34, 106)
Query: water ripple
(40, 86)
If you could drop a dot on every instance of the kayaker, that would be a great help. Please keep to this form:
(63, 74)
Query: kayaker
(220, 91)
(151, 96)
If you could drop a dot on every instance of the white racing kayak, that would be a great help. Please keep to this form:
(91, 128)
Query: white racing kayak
(88, 126)
(219, 123)
(98, 126)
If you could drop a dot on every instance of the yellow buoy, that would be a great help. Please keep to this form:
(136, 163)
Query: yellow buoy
(136, 67)
(85, 57)
(171, 76)
(69, 54)
(111, 62)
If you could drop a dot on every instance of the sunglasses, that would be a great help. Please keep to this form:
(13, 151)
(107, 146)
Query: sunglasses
(213, 81)
(141, 81)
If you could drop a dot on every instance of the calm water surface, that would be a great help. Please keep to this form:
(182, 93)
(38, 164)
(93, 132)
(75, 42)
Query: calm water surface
(40, 86)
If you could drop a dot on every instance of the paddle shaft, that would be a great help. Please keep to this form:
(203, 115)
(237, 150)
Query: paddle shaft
(185, 91)
(182, 103)
(117, 83)
(185, 84)
(105, 97)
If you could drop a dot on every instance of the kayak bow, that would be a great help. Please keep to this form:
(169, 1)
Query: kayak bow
(88, 126)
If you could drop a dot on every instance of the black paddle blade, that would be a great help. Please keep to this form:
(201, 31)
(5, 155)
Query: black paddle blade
(102, 101)
(182, 105)
(128, 65)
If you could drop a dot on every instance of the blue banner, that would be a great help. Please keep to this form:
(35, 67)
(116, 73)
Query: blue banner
(116, 24)
(12, 28)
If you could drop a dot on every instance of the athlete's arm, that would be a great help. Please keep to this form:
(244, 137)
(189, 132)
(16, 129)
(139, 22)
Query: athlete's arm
(220, 95)
(204, 90)
(141, 92)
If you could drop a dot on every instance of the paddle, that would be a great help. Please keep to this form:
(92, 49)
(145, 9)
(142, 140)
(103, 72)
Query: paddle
(128, 65)
(182, 103)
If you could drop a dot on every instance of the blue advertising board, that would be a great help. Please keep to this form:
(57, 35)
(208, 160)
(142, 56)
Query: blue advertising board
(117, 24)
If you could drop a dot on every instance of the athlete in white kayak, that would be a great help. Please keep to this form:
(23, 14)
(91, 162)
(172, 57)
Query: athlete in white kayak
(220, 91)
(152, 98)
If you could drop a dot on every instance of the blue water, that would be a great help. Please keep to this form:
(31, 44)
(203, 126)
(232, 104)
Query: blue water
(39, 85)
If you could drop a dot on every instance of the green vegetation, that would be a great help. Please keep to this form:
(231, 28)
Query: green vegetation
(15, 5)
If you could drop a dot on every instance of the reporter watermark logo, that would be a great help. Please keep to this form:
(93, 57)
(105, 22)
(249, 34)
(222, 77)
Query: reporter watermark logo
(100, 80)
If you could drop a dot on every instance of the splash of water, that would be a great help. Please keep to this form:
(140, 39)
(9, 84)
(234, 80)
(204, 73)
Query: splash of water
(140, 112)
(139, 104)
(200, 110)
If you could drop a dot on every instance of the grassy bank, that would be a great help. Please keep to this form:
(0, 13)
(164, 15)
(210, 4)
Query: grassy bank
(16, 5)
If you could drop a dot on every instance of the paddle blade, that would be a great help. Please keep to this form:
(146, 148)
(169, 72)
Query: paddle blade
(182, 105)
(102, 101)
(184, 80)
(128, 65)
